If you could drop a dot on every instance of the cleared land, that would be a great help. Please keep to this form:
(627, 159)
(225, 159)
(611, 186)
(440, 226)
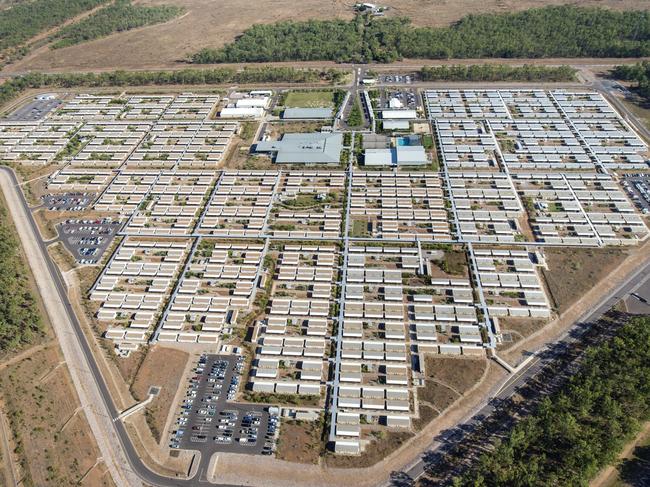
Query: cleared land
(211, 24)
(300, 441)
(311, 99)
(118, 17)
(53, 440)
(459, 374)
(383, 445)
(573, 272)
(162, 368)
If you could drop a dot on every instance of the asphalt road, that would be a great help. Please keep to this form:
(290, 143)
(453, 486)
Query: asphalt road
(608, 89)
(125, 448)
(639, 279)
(117, 440)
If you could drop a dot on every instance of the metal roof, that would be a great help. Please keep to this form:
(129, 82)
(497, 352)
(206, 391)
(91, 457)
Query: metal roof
(310, 148)
(308, 113)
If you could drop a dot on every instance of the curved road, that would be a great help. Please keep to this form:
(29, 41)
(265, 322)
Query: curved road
(529, 369)
(113, 441)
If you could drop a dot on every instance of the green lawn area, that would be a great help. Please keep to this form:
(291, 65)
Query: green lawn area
(359, 229)
(310, 99)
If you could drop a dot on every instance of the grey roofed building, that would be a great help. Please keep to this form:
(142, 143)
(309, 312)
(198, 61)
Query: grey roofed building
(378, 157)
(308, 113)
(311, 148)
(375, 141)
(409, 155)
(396, 125)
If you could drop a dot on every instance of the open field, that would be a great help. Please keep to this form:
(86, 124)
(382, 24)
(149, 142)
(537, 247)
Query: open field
(300, 441)
(640, 110)
(163, 368)
(311, 99)
(573, 272)
(459, 374)
(207, 24)
(54, 443)
(518, 329)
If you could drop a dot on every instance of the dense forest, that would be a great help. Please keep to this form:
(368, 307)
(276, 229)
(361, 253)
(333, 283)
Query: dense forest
(24, 20)
(497, 72)
(117, 17)
(582, 428)
(639, 73)
(14, 86)
(556, 31)
(20, 321)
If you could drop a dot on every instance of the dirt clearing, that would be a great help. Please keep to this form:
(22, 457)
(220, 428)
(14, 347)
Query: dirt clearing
(163, 368)
(213, 24)
(573, 272)
(460, 374)
(300, 441)
(384, 444)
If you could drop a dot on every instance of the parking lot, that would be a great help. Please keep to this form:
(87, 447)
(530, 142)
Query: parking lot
(397, 78)
(68, 201)
(87, 240)
(34, 110)
(208, 422)
(638, 188)
(408, 98)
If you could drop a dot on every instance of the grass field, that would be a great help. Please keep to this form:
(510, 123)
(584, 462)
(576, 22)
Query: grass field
(212, 24)
(640, 110)
(309, 99)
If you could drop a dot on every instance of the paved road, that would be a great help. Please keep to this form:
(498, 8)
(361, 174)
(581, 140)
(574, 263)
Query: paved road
(609, 90)
(636, 280)
(115, 446)
(59, 310)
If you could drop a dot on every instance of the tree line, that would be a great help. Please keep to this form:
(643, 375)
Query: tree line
(555, 31)
(24, 20)
(266, 74)
(639, 73)
(577, 431)
(497, 72)
(20, 320)
(117, 17)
